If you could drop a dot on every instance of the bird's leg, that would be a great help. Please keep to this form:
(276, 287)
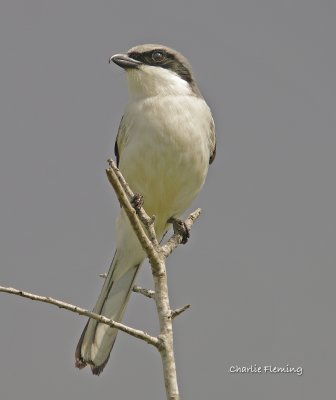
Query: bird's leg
(180, 227)
(137, 202)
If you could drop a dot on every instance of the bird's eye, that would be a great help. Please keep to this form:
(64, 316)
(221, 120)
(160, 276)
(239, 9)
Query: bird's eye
(158, 56)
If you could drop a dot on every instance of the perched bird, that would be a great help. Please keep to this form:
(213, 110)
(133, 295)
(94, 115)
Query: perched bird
(165, 143)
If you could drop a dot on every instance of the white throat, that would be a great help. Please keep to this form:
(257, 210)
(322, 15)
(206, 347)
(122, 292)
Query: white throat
(148, 81)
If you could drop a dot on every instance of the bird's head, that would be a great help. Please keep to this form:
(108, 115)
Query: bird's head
(156, 70)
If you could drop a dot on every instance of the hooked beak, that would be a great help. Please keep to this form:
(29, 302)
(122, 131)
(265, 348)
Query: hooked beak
(124, 61)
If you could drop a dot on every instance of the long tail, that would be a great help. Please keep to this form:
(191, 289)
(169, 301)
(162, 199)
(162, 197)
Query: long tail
(97, 340)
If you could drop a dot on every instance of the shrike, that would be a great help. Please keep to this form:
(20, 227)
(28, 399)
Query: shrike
(165, 143)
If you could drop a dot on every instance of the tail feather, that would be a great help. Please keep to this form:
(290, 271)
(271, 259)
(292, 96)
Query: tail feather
(97, 340)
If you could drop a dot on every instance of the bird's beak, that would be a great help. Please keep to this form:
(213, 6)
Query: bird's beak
(124, 61)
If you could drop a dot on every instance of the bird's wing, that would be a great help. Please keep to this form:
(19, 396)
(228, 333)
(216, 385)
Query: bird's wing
(212, 141)
(120, 140)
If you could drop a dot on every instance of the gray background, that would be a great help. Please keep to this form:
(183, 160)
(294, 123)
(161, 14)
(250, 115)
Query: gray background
(259, 269)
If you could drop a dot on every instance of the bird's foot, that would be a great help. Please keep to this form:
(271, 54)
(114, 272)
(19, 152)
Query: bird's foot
(181, 228)
(137, 202)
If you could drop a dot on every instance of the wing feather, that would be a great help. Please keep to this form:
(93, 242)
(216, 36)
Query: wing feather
(212, 141)
(119, 140)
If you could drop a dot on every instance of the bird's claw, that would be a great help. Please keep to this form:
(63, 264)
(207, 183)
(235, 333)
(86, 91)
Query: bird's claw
(181, 228)
(137, 202)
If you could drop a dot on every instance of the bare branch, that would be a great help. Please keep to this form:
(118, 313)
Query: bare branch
(179, 311)
(81, 311)
(123, 183)
(146, 292)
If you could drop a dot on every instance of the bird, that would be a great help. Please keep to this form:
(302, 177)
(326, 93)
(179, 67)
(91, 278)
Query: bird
(165, 143)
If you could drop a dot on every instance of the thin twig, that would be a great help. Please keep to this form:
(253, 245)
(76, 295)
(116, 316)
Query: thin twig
(146, 292)
(179, 311)
(124, 184)
(81, 311)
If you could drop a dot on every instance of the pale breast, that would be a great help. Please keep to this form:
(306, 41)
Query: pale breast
(165, 153)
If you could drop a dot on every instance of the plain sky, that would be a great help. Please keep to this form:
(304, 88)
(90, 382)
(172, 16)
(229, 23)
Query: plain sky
(259, 269)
